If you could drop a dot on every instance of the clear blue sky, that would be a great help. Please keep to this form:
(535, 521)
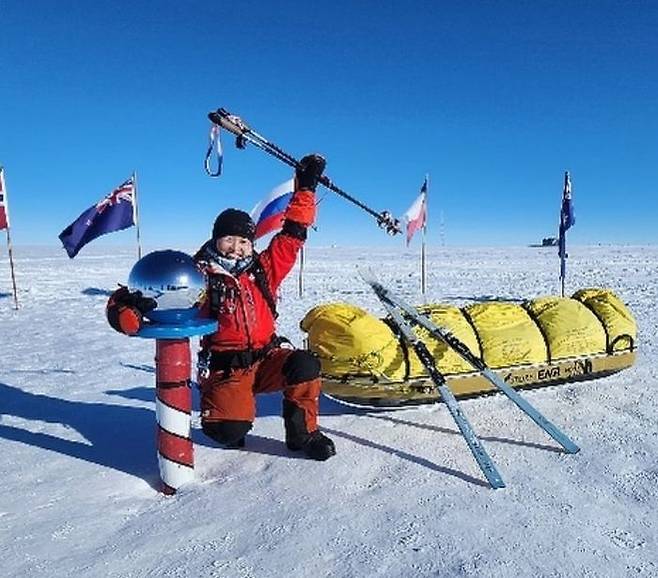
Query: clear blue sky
(494, 99)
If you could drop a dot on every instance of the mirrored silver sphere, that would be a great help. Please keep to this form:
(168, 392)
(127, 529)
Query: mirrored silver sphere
(172, 279)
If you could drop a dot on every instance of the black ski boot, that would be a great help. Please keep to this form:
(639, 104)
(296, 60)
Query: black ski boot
(236, 445)
(229, 434)
(315, 444)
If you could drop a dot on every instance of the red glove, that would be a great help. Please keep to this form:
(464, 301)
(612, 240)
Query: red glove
(125, 310)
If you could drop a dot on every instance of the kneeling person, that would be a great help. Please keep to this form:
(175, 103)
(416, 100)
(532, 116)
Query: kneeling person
(244, 356)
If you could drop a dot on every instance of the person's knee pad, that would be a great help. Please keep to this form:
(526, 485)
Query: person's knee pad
(226, 431)
(301, 366)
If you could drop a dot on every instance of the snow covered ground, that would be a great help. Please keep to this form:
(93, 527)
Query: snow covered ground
(403, 497)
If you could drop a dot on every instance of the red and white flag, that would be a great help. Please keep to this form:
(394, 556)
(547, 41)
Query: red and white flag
(416, 214)
(4, 217)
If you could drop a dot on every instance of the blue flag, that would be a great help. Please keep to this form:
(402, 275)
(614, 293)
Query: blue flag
(567, 220)
(115, 212)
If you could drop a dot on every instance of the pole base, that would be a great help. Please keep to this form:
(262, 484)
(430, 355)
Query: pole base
(167, 490)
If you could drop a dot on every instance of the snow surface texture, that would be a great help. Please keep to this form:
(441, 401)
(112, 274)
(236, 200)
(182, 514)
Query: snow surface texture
(403, 497)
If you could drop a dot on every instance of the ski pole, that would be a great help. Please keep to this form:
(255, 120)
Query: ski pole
(480, 454)
(234, 124)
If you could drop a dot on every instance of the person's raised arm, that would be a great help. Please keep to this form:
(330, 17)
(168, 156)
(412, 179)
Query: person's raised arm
(279, 258)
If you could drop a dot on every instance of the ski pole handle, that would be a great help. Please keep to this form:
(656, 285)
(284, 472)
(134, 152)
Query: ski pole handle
(228, 121)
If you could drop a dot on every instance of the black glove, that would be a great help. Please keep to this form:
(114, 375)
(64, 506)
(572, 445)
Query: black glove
(123, 296)
(126, 309)
(309, 171)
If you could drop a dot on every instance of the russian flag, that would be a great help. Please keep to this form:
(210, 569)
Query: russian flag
(268, 214)
(416, 215)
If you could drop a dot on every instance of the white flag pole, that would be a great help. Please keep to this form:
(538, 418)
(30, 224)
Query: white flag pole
(3, 188)
(301, 272)
(11, 266)
(423, 269)
(136, 215)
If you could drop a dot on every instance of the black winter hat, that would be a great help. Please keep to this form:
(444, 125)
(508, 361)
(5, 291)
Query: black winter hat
(234, 222)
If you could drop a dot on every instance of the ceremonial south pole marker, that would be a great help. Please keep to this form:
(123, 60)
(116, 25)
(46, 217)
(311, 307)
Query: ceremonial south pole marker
(172, 279)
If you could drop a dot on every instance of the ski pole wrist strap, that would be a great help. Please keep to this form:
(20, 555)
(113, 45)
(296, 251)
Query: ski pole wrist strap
(214, 142)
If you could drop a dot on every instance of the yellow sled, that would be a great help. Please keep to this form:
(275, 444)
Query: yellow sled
(543, 341)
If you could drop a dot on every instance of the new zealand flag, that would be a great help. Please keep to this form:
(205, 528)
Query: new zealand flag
(113, 213)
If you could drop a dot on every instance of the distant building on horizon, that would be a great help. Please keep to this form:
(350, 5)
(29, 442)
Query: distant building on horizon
(547, 242)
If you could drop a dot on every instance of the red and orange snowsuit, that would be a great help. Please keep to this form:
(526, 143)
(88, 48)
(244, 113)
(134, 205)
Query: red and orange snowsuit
(244, 355)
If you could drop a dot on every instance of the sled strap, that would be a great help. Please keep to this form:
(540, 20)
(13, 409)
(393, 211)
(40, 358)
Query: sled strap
(620, 337)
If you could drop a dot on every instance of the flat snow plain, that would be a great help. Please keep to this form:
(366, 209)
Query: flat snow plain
(403, 497)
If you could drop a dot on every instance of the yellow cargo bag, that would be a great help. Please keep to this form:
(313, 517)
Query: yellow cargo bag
(507, 334)
(449, 362)
(351, 341)
(570, 328)
(617, 320)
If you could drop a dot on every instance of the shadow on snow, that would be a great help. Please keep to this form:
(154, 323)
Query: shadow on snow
(120, 437)
(95, 292)
(141, 367)
(484, 298)
(445, 430)
(410, 457)
(110, 429)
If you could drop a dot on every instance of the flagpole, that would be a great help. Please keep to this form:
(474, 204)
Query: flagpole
(3, 187)
(423, 272)
(566, 221)
(11, 266)
(563, 254)
(301, 272)
(136, 216)
(442, 229)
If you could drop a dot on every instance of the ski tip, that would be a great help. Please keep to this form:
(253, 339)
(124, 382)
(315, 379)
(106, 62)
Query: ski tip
(493, 475)
(368, 276)
(497, 484)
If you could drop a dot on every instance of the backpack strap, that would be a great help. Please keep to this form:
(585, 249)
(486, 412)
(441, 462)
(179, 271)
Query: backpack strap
(261, 282)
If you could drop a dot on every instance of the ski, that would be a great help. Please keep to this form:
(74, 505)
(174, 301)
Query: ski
(385, 295)
(481, 456)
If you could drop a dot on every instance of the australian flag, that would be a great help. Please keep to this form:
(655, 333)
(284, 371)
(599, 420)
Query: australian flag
(115, 212)
(567, 220)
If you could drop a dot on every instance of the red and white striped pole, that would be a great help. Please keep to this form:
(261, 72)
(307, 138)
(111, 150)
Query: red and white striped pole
(173, 410)
(173, 279)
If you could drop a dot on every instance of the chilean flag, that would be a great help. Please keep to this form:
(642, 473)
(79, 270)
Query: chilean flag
(417, 213)
(268, 214)
(4, 218)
